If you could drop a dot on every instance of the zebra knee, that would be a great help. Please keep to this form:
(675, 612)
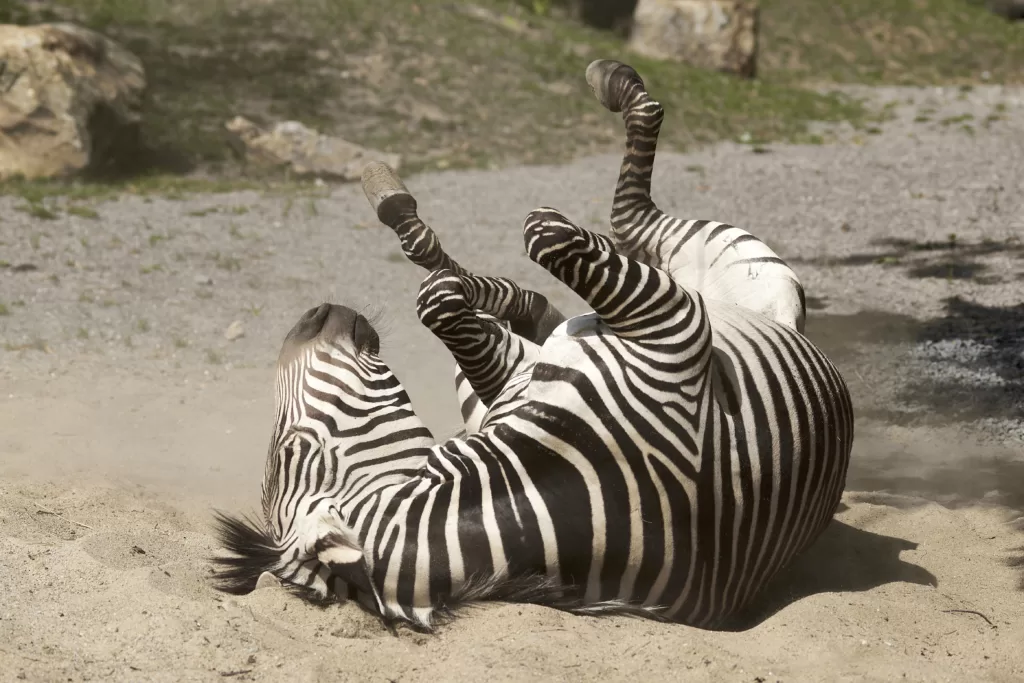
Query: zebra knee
(551, 238)
(441, 302)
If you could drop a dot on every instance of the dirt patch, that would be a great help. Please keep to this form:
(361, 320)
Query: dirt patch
(126, 414)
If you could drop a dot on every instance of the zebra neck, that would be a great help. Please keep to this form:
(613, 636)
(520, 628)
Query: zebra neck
(452, 529)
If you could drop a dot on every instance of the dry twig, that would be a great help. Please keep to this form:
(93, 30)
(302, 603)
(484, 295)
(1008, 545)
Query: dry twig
(970, 611)
(69, 521)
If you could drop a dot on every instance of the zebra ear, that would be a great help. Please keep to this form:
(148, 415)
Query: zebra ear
(338, 548)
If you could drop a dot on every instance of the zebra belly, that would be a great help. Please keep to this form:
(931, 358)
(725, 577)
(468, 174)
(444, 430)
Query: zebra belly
(699, 526)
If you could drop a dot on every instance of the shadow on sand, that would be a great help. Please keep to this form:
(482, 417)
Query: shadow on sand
(843, 559)
(953, 372)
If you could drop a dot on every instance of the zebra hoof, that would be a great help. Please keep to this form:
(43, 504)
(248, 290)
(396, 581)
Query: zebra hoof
(385, 191)
(610, 80)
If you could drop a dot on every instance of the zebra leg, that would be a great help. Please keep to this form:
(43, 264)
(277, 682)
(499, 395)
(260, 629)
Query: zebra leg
(488, 354)
(529, 313)
(619, 88)
(719, 260)
(634, 300)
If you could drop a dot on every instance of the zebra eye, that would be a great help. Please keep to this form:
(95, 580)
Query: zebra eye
(364, 336)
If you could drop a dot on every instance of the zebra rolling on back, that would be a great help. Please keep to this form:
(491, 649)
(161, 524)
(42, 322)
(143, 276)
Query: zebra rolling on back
(668, 453)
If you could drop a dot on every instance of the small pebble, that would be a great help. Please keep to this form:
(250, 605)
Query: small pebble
(235, 330)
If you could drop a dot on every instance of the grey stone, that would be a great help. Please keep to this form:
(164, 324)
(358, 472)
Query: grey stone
(303, 151)
(68, 98)
(721, 35)
(236, 330)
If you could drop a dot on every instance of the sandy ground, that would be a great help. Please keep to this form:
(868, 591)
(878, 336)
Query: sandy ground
(126, 415)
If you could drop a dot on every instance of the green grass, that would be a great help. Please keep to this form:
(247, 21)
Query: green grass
(83, 212)
(889, 41)
(444, 88)
(167, 185)
(449, 88)
(38, 210)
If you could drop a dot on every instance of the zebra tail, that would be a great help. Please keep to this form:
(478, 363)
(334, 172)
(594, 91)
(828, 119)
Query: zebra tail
(254, 553)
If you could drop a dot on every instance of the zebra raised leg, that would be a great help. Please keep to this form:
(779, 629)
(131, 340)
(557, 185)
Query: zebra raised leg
(491, 362)
(633, 300)
(529, 314)
(487, 353)
(721, 261)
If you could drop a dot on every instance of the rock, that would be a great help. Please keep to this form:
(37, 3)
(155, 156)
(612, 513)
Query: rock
(304, 151)
(712, 34)
(70, 99)
(203, 280)
(235, 331)
(267, 580)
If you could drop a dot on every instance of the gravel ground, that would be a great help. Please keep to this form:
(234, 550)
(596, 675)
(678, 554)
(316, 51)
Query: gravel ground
(911, 239)
(115, 367)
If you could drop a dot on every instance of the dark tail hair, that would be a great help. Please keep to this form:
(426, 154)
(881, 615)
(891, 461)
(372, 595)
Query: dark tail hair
(254, 553)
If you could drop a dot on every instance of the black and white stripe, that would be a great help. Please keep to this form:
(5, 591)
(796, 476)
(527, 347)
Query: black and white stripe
(493, 326)
(665, 455)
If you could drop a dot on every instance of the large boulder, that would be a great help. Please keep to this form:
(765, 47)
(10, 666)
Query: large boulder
(291, 146)
(711, 34)
(70, 99)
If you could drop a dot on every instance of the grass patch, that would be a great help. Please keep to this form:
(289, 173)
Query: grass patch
(83, 212)
(444, 88)
(911, 42)
(483, 83)
(38, 210)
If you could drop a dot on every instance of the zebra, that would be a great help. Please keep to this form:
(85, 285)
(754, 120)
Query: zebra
(669, 454)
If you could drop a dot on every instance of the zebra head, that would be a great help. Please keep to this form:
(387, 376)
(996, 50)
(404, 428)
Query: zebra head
(344, 429)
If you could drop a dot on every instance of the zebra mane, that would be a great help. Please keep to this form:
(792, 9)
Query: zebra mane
(379, 317)
(254, 552)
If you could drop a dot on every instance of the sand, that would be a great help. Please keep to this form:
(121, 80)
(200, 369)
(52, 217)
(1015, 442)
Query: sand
(126, 416)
